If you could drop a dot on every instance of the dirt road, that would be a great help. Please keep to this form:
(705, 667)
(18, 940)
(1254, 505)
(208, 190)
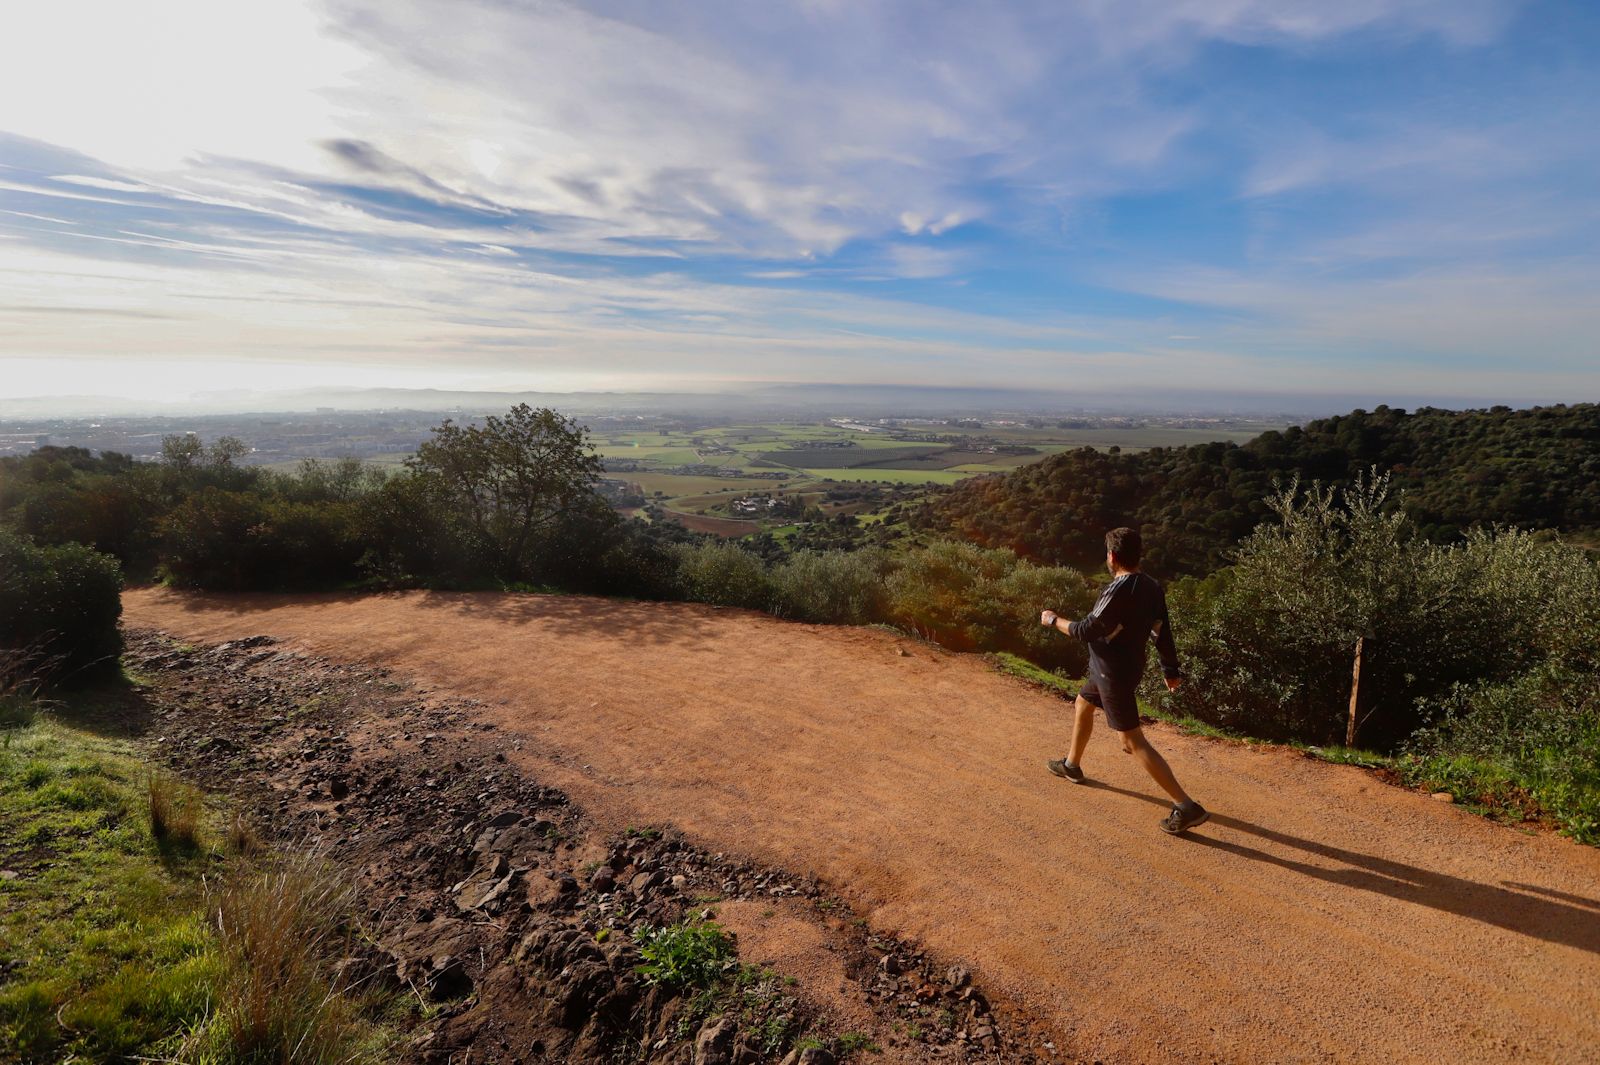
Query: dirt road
(1320, 916)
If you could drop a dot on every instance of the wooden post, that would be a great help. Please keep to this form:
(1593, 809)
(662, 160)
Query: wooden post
(1355, 693)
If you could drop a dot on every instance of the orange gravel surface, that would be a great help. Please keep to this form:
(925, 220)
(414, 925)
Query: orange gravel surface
(1321, 916)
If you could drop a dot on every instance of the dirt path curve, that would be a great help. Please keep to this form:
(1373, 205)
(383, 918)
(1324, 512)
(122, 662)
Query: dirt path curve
(1321, 916)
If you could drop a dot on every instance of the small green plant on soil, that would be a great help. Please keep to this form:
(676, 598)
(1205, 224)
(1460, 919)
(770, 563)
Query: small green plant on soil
(684, 956)
(646, 833)
(851, 1043)
(766, 1012)
(1341, 755)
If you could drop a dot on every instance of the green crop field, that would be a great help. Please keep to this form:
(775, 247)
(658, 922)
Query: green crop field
(891, 476)
(848, 457)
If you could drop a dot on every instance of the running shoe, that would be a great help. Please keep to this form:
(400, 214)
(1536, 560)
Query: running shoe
(1184, 816)
(1063, 768)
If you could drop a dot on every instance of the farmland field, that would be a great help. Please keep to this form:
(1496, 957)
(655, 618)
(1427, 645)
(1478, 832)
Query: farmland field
(673, 471)
(702, 473)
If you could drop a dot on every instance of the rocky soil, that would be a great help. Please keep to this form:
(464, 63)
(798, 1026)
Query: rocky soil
(493, 899)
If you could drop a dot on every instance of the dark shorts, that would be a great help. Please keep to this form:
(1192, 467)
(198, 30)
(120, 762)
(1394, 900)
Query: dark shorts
(1119, 702)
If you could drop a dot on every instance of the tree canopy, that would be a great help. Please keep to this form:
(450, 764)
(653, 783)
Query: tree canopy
(1535, 469)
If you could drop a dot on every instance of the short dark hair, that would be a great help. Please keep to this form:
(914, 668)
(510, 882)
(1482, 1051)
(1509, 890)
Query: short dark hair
(1125, 544)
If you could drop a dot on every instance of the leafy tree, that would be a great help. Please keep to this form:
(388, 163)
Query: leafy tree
(515, 482)
(1536, 469)
(182, 451)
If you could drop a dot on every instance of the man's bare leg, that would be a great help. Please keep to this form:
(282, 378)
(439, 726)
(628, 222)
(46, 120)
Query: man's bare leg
(1134, 743)
(1082, 726)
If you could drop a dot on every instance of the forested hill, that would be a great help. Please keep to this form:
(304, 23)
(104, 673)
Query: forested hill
(1536, 468)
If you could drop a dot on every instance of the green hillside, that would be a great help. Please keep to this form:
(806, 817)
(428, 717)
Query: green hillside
(1537, 469)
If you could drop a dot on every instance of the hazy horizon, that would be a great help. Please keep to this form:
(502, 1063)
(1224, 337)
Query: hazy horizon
(1374, 201)
(731, 400)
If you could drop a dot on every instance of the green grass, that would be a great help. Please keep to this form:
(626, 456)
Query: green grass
(103, 924)
(107, 949)
(1543, 787)
(1341, 755)
(852, 1043)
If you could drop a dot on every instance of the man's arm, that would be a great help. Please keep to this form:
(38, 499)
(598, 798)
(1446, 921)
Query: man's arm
(1166, 648)
(1103, 622)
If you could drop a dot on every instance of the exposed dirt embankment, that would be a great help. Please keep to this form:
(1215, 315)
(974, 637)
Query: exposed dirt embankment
(1320, 916)
(508, 913)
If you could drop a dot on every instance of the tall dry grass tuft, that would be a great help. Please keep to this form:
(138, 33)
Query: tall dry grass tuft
(243, 839)
(281, 926)
(176, 810)
(22, 673)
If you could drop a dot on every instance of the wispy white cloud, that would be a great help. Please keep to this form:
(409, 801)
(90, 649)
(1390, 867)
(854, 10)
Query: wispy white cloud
(631, 188)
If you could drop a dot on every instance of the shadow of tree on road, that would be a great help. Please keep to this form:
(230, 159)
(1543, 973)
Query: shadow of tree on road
(1553, 916)
(630, 621)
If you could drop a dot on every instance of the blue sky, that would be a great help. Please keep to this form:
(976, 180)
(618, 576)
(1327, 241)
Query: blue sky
(1227, 197)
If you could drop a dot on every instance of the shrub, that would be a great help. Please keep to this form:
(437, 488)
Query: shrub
(59, 606)
(832, 587)
(974, 599)
(1530, 744)
(723, 574)
(1270, 640)
(210, 540)
(243, 541)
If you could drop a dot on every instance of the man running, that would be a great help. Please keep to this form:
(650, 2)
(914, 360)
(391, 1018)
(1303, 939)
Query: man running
(1131, 610)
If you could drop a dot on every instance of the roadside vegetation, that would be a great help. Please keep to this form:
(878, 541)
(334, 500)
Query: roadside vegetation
(1480, 673)
(130, 929)
(698, 958)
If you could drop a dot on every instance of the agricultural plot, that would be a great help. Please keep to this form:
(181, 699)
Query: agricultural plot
(843, 458)
(872, 473)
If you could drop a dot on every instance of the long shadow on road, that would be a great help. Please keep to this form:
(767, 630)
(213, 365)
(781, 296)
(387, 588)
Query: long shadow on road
(630, 620)
(1544, 915)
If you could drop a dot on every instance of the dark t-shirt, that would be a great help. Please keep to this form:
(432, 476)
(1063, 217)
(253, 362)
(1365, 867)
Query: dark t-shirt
(1130, 610)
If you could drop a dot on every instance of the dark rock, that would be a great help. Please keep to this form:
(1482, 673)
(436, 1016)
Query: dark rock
(505, 820)
(338, 787)
(448, 978)
(714, 1044)
(603, 879)
(957, 977)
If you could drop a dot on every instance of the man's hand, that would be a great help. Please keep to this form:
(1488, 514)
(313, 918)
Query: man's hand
(1048, 618)
(1173, 682)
